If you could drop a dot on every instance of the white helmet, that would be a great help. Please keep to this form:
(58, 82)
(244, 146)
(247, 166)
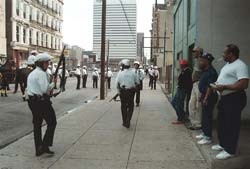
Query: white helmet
(136, 62)
(155, 67)
(43, 57)
(31, 60)
(125, 62)
(84, 67)
(95, 69)
(140, 67)
(33, 52)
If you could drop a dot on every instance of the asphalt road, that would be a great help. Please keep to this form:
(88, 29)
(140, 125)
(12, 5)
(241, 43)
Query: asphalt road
(16, 118)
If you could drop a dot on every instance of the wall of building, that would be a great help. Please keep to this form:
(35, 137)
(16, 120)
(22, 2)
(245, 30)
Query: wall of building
(225, 22)
(140, 49)
(213, 25)
(2, 30)
(34, 25)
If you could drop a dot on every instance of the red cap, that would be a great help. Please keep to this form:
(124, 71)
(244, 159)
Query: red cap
(183, 62)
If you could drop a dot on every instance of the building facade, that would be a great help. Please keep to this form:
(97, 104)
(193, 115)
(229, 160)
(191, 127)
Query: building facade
(3, 53)
(33, 25)
(211, 25)
(120, 31)
(140, 45)
(162, 41)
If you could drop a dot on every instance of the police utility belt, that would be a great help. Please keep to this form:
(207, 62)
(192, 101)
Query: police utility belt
(35, 97)
(124, 89)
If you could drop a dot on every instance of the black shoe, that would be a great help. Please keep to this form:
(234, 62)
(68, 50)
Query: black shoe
(194, 128)
(137, 105)
(47, 150)
(39, 152)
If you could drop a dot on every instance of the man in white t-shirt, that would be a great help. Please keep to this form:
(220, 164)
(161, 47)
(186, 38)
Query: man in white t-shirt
(231, 84)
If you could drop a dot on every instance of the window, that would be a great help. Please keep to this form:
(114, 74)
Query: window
(47, 38)
(38, 15)
(17, 7)
(24, 35)
(31, 12)
(30, 36)
(24, 11)
(37, 38)
(17, 34)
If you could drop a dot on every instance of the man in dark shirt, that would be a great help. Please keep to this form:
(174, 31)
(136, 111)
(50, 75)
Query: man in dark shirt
(184, 88)
(208, 97)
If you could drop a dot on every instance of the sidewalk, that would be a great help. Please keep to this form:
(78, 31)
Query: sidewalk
(92, 137)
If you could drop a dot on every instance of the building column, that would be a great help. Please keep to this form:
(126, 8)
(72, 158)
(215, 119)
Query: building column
(14, 31)
(27, 30)
(21, 34)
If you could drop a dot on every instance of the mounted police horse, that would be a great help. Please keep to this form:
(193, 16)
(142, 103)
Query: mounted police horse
(21, 79)
(6, 76)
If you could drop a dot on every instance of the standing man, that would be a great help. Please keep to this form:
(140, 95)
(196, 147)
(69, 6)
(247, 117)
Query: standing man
(184, 87)
(63, 82)
(109, 76)
(78, 76)
(32, 59)
(126, 82)
(155, 77)
(231, 84)
(194, 103)
(140, 77)
(84, 76)
(208, 97)
(39, 91)
(150, 74)
(95, 77)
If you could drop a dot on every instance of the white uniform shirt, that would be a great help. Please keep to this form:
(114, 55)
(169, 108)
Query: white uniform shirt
(156, 73)
(84, 72)
(78, 71)
(151, 72)
(95, 74)
(231, 73)
(38, 83)
(139, 73)
(49, 71)
(110, 74)
(60, 73)
(127, 78)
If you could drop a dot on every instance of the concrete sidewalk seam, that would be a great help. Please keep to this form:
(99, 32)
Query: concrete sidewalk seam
(131, 145)
(79, 138)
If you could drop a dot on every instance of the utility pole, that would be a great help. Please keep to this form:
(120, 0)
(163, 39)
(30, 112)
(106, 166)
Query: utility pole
(164, 48)
(102, 86)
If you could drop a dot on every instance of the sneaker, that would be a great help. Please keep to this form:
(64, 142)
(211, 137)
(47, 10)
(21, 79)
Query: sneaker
(217, 147)
(223, 155)
(200, 136)
(204, 141)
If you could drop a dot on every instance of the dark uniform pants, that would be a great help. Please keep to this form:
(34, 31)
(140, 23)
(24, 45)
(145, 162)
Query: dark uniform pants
(207, 115)
(229, 118)
(138, 93)
(150, 80)
(84, 81)
(95, 82)
(109, 81)
(78, 81)
(153, 84)
(42, 110)
(127, 104)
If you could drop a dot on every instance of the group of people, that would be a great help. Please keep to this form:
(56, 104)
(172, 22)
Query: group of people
(203, 88)
(83, 72)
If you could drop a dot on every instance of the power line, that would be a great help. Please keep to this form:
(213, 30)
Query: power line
(125, 14)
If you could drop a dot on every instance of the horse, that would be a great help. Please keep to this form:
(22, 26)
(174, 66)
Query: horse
(6, 71)
(21, 79)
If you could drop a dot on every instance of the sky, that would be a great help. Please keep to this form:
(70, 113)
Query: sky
(78, 21)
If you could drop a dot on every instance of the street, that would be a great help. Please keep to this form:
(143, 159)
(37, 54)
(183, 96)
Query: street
(16, 118)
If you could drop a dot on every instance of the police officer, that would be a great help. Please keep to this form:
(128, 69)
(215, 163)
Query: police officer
(84, 76)
(126, 82)
(208, 98)
(109, 76)
(140, 76)
(155, 77)
(78, 77)
(32, 58)
(95, 77)
(39, 90)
